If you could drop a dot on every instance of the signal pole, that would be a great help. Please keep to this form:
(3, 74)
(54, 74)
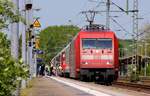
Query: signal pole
(24, 47)
(107, 14)
(135, 18)
(135, 31)
(29, 19)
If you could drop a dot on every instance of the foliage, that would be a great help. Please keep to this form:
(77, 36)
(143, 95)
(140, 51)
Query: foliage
(132, 73)
(7, 15)
(125, 44)
(134, 77)
(54, 38)
(10, 71)
(148, 70)
(146, 39)
(146, 44)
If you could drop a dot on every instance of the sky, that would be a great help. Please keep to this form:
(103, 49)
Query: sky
(60, 12)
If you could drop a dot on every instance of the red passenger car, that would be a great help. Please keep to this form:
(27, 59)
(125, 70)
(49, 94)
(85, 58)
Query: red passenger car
(92, 55)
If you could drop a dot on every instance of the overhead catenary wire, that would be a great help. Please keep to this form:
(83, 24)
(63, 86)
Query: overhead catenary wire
(120, 26)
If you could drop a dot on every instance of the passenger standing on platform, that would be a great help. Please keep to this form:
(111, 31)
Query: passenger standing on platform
(47, 71)
(39, 71)
(42, 70)
(52, 70)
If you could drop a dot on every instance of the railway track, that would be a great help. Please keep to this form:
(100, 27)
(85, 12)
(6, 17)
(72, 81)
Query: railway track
(142, 85)
(126, 85)
(132, 86)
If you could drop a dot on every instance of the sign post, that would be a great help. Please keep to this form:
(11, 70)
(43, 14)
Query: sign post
(36, 25)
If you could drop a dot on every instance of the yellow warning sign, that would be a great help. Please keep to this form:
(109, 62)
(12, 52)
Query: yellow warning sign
(37, 44)
(36, 24)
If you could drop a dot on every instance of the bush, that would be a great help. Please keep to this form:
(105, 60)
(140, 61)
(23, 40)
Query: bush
(10, 71)
(134, 77)
(133, 73)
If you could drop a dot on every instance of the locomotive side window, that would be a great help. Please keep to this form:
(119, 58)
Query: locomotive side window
(104, 43)
(88, 43)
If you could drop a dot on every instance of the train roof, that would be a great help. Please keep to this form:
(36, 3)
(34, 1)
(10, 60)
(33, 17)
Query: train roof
(96, 28)
(97, 31)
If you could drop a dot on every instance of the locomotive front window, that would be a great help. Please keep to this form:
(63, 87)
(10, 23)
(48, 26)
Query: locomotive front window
(88, 43)
(97, 43)
(104, 43)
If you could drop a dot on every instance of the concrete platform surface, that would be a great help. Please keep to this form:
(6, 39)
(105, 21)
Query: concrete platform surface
(48, 87)
(57, 86)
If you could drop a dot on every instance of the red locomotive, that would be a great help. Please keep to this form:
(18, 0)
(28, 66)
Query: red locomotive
(91, 55)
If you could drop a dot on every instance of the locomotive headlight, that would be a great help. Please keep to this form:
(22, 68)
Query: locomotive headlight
(97, 51)
(109, 62)
(86, 63)
(67, 67)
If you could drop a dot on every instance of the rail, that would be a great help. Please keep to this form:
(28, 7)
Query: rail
(133, 85)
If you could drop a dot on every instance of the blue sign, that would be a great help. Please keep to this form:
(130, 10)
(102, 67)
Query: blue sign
(39, 52)
(39, 60)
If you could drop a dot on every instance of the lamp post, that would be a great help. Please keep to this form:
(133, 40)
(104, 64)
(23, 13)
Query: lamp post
(31, 58)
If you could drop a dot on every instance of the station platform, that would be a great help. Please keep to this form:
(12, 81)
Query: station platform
(44, 86)
(57, 86)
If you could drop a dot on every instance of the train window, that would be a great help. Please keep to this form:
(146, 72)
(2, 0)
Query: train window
(104, 43)
(88, 43)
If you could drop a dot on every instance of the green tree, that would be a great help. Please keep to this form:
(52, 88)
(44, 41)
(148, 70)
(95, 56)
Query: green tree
(125, 44)
(146, 45)
(146, 30)
(54, 38)
(7, 15)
